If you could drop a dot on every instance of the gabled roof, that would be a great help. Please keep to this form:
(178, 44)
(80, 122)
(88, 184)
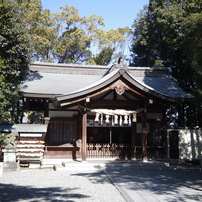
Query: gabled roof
(76, 82)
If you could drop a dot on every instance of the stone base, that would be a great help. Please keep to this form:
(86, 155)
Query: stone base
(9, 155)
(10, 166)
(1, 169)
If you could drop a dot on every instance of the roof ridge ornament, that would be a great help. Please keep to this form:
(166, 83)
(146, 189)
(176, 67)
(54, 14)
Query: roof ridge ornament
(120, 63)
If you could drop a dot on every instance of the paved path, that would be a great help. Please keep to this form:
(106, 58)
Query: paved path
(132, 183)
(154, 185)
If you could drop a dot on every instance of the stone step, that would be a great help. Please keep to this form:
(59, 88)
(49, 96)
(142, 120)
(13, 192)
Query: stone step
(100, 165)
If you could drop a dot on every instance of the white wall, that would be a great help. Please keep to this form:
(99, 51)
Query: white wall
(190, 144)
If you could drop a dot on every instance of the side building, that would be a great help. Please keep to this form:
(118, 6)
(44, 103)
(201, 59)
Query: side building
(101, 111)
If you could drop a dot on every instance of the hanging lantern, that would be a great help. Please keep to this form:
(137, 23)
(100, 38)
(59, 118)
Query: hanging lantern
(116, 119)
(97, 117)
(125, 119)
(107, 119)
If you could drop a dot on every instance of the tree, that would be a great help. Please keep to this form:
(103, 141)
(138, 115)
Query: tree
(14, 59)
(103, 58)
(42, 28)
(109, 44)
(164, 34)
(193, 44)
(45, 37)
(66, 37)
(76, 39)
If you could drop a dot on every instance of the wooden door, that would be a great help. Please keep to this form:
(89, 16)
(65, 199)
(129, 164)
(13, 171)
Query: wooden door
(174, 144)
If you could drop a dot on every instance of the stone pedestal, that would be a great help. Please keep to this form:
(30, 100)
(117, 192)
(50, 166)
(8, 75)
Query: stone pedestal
(1, 169)
(10, 163)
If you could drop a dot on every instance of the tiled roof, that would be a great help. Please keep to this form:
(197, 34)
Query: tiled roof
(50, 80)
(54, 79)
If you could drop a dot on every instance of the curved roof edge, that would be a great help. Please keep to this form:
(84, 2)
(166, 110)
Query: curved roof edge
(106, 81)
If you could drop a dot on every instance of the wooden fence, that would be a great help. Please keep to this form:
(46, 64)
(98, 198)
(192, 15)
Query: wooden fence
(108, 150)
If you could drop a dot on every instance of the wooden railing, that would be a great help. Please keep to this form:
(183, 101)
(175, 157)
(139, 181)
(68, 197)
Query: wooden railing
(99, 150)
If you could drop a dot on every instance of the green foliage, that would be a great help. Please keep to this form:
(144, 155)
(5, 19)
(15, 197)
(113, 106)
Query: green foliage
(103, 58)
(35, 117)
(73, 46)
(193, 45)
(168, 33)
(66, 37)
(44, 37)
(14, 59)
(2, 138)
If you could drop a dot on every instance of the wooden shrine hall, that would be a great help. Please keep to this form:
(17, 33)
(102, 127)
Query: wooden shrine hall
(102, 111)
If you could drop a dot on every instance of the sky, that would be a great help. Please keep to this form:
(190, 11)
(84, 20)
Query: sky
(116, 13)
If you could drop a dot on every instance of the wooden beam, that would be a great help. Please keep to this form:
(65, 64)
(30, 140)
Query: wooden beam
(84, 136)
(115, 104)
(46, 109)
(64, 103)
(136, 93)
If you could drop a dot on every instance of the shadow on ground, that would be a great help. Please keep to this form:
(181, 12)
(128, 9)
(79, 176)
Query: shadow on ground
(10, 192)
(171, 184)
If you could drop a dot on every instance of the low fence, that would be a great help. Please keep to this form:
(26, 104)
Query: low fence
(99, 150)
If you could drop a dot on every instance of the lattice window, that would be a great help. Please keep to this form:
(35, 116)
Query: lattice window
(62, 131)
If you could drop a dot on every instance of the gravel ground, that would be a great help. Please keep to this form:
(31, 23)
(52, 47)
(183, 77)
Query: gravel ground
(47, 185)
(168, 184)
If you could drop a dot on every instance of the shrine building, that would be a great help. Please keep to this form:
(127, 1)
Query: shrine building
(102, 112)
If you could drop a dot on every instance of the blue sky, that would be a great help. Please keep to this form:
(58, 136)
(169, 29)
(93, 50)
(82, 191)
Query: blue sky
(116, 13)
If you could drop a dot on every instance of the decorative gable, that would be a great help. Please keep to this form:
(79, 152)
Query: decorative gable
(119, 87)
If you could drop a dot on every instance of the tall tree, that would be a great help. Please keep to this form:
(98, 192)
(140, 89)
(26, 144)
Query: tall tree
(193, 43)
(14, 58)
(66, 37)
(41, 26)
(77, 37)
(109, 44)
(45, 37)
(161, 37)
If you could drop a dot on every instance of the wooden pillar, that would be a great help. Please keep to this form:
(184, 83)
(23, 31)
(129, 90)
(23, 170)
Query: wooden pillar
(168, 144)
(133, 149)
(144, 137)
(46, 108)
(84, 136)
